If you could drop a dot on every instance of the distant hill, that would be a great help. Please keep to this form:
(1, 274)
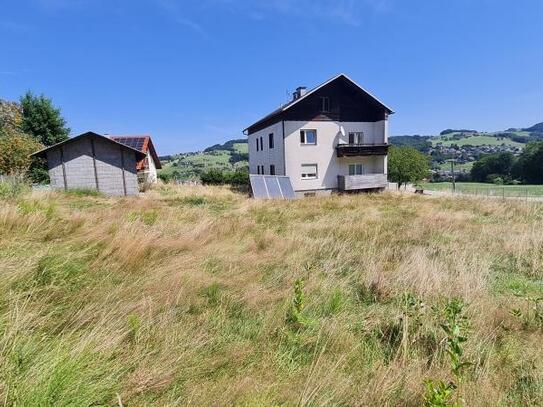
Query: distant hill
(467, 146)
(511, 137)
(421, 143)
(229, 156)
(233, 154)
(537, 128)
(450, 131)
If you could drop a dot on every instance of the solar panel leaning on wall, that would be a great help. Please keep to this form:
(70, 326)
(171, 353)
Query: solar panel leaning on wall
(271, 187)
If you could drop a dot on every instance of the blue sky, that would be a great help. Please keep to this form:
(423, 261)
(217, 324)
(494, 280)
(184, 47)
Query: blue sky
(195, 73)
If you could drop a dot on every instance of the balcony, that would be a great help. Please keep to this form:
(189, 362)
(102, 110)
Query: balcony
(367, 181)
(357, 150)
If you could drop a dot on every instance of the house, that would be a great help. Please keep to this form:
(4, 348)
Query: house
(333, 137)
(147, 167)
(93, 161)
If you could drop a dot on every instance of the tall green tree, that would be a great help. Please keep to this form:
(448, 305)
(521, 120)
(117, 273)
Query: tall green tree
(529, 165)
(406, 164)
(42, 120)
(499, 164)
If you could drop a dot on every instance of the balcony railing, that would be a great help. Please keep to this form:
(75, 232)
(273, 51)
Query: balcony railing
(357, 150)
(366, 181)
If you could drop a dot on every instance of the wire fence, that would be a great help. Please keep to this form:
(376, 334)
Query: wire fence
(526, 192)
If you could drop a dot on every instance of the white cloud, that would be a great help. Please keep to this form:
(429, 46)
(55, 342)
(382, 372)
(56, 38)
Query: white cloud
(351, 12)
(176, 12)
(343, 11)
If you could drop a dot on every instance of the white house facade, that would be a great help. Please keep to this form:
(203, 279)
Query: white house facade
(334, 137)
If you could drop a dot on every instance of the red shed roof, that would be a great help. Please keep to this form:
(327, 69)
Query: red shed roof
(141, 143)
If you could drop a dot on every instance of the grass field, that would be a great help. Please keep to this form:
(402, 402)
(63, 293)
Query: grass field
(189, 296)
(475, 140)
(483, 189)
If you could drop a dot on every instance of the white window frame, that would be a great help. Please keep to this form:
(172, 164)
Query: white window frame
(356, 169)
(310, 175)
(358, 137)
(303, 138)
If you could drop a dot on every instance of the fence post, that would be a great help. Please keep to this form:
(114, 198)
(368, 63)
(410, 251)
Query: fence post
(503, 193)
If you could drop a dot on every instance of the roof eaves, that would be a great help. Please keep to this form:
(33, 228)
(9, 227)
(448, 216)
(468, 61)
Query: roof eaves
(87, 134)
(292, 103)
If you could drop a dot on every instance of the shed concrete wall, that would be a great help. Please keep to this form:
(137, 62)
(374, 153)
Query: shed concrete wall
(104, 172)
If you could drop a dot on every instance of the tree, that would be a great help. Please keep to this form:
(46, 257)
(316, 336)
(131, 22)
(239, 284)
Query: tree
(493, 166)
(11, 116)
(406, 164)
(42, 120)
(15, 150)
(529, 165)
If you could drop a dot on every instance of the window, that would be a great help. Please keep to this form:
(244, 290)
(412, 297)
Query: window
(261, 144)
(262, 169)
(356, 169)
(272, 169)
(308, 137)
(356, 137)
(325, 104)
(309, 171)
(257, 145)
(258, 169)
(270, 140)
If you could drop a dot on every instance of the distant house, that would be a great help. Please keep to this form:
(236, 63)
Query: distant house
(147, 167)
(333, 137)
(92, 161)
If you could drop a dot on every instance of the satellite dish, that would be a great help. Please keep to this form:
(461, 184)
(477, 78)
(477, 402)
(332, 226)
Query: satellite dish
(342, 131)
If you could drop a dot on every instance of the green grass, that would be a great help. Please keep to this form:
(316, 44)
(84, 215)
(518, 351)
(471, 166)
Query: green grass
(475, 140)
(241, 148)
(487, 189)
(185, 296)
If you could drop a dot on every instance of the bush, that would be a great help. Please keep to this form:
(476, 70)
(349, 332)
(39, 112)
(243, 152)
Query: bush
(164, 177)
(237, 178)
(15, 150)
(212, 176)
(495, 179)
(11, 187)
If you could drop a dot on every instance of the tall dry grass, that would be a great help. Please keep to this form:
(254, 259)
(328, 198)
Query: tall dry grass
(181, 297)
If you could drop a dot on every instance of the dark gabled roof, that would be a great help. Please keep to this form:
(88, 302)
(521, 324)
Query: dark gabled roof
(282, 109)
(42, 153)
(142, 143)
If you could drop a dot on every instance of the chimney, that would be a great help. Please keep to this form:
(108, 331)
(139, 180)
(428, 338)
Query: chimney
(300, 91)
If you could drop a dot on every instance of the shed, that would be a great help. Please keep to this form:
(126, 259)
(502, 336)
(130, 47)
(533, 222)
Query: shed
(92, 161)
(147, 168)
